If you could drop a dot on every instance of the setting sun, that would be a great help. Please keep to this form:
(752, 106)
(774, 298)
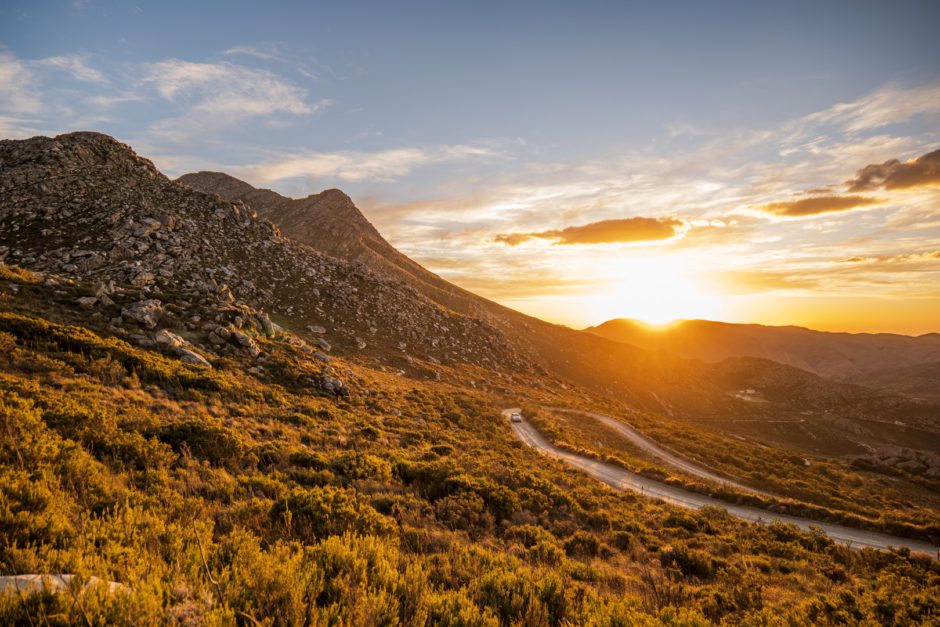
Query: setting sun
(657, 291)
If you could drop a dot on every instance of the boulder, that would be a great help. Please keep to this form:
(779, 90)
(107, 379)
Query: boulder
(164, 337)
(192, 357)
(145, 312)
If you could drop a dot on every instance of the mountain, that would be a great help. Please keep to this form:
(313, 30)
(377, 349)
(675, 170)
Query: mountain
(847, 357)
(83, 206)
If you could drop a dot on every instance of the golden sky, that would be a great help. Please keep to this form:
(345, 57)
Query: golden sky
(830, 221)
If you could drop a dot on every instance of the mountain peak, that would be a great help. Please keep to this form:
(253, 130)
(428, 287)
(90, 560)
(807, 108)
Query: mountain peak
(72, 150)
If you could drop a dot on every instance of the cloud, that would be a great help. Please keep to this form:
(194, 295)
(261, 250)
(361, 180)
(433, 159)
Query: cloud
(890, 105)
(817, 205)
(895, 174)
(356, 165)
(252, 51)
(626, 230)
(219, 95)
(902, 260)
(75, 66)
(18, 93)
(744, 281)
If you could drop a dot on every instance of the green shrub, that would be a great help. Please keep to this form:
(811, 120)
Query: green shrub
(204, 439)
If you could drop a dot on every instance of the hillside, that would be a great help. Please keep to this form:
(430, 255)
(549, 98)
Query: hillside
(175, 422)
(835, 356)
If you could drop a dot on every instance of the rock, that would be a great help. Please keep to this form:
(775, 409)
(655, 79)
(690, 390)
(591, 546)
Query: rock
(31, 584)
(86, 302)
(146, 312)
(322, 357)
(142, 279)
(239, 336)
(146, 227)
(322, 343)
(168, 338)
(192, 357)
(246, 343)
(266, 325)
(336, 386)
(316, 329)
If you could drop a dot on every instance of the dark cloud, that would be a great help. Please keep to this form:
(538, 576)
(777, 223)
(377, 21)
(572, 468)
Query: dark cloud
(817, 205)
(894, 174)
(604, 232)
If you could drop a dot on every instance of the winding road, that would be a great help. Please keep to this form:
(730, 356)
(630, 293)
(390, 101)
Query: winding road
(621, 479)
(665, 456)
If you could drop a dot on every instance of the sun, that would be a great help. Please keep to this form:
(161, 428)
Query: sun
(657, 291)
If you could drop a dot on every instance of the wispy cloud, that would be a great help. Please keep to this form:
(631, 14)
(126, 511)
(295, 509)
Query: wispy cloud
(74, 65)
(252, 51)
(18, 90)
(889, 105)
(356, 165)
(212, 96)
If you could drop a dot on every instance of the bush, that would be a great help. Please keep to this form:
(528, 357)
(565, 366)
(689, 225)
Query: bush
(689, 562)
(206, 440)
(582, 544)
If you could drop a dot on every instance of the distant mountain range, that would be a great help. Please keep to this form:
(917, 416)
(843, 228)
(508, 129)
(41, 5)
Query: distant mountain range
(898, 363)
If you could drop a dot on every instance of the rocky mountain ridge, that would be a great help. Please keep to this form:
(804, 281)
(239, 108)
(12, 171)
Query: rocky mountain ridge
(331, 223)
(82, 206)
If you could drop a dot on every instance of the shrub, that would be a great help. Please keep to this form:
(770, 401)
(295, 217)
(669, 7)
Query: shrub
(689, 562)
(204, 439)
(582, 544)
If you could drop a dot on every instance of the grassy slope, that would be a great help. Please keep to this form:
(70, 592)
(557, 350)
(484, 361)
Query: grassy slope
(220, 496)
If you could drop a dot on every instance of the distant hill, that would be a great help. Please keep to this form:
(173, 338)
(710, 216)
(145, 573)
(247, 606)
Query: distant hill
(899, 363)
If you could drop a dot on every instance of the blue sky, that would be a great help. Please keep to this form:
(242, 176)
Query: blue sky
(453, 124)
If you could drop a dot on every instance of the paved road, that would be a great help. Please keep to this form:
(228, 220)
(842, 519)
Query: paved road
(621, 479)
(654, 449)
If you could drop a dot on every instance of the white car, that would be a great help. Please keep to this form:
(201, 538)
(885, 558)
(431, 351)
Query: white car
(515, 417)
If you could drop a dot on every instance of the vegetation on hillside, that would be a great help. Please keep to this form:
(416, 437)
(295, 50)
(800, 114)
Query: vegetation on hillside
(229, 496)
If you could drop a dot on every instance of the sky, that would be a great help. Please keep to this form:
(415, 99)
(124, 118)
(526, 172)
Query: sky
(741, 161)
